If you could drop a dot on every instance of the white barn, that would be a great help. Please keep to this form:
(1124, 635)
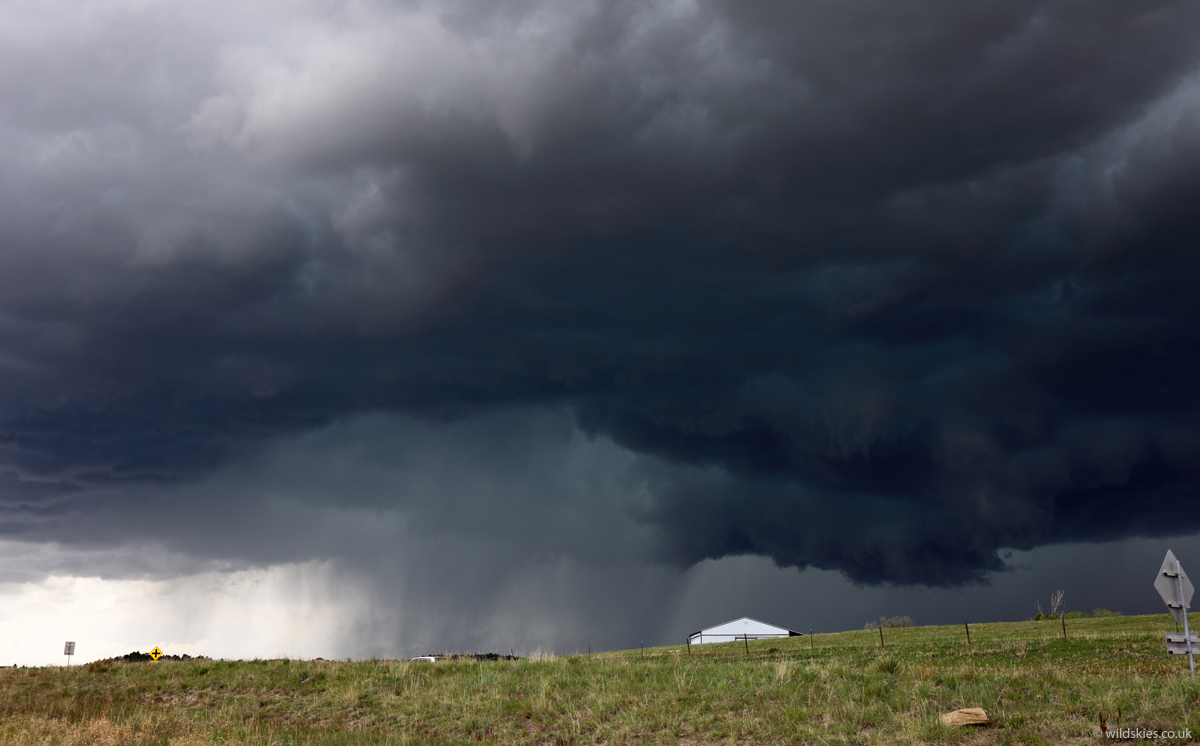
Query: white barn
(740, 629)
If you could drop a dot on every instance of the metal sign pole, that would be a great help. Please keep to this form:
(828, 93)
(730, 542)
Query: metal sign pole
(1186, 632)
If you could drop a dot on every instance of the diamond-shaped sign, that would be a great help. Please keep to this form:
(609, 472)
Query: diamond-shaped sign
(1167, 584)
(155, 653)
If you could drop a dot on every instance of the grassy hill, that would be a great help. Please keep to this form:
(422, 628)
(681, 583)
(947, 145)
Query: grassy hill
(832, 689)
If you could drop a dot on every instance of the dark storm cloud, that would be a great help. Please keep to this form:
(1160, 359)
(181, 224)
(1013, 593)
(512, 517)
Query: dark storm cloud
(868, 287)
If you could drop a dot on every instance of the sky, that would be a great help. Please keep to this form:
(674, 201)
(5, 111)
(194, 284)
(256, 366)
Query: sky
(352, 328)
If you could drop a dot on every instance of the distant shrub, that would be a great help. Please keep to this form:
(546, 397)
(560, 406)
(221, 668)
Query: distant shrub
(1105, 612)
(886, 622)
(1076, 615)
(140, 657)
(479, 657)
(1057, 604)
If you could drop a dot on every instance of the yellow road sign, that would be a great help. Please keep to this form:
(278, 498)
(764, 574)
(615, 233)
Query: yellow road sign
(155, 653)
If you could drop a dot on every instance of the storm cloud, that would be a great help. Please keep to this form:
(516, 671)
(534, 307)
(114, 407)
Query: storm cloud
(872, 288)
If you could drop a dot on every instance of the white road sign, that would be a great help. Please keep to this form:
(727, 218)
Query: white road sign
(69, 649)
(1176, 590)
(1167, 584)
(1177, 643)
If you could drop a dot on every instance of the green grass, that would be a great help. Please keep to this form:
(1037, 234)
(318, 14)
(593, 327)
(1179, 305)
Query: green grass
(1035, 686)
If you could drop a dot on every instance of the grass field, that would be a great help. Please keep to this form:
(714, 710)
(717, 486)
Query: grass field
(833, 689)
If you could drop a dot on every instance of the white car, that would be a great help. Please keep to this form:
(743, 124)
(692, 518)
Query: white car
(423, 659)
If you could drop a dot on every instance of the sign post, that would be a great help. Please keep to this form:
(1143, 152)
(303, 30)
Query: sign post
(1176, 591)
(69, 650)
